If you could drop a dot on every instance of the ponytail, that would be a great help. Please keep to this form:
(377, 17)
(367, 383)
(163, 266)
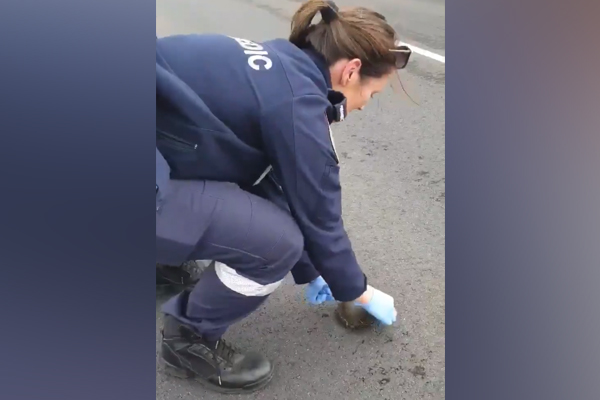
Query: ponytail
(302, 19)
(352, 33)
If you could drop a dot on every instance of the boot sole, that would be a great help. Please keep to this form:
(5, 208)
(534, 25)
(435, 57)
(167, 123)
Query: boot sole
(180, 373)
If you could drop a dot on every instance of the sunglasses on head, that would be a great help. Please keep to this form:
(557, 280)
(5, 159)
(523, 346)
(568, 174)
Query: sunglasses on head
(402, 54)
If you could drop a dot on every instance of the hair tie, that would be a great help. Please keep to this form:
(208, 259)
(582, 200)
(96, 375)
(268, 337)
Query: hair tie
(329, 13)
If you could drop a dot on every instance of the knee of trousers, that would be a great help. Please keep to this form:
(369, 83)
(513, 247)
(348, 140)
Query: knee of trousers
(265, 280)
(288, 251)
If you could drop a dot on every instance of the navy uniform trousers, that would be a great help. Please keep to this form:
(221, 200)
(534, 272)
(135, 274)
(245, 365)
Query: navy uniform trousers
(254, 241)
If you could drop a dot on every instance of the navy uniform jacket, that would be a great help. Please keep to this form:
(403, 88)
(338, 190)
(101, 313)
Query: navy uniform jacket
(229, 109)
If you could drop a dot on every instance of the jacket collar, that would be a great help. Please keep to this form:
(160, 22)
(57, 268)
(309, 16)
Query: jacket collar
(319, 61)
(338, 110)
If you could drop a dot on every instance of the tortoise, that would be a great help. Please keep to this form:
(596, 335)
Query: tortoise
(353, 317)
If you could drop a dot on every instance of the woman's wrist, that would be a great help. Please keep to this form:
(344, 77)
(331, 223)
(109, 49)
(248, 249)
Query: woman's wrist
(366, 297)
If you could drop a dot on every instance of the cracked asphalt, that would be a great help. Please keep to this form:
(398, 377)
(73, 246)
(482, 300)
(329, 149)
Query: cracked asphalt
(393, 176)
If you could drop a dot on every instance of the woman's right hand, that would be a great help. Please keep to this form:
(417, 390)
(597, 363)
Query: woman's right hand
(318, 292)
(378, 304)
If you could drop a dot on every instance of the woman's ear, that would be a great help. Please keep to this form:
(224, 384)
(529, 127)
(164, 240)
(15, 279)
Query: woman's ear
(353, 67)
(345, 72)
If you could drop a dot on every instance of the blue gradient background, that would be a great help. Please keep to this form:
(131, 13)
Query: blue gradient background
(522, 200)
(523, 190)
(77, 171)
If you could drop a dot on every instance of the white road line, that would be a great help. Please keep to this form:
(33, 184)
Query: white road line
(425, 53)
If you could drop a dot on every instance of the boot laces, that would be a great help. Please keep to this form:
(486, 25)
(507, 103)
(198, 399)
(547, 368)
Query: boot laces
(223, 355)
(225, 351)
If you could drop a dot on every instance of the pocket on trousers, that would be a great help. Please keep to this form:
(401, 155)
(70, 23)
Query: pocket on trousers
(183, 218)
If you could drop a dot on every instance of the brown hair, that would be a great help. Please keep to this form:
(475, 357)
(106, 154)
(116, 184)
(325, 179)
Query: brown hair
(350, 33)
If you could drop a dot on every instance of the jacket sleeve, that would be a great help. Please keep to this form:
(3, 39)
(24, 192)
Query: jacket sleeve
(297, 139)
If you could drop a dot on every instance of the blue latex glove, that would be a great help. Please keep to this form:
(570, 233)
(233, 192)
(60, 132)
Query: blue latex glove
(381, 306)
(318, 291)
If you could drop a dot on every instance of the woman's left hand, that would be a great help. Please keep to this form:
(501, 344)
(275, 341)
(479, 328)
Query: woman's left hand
(318, 292)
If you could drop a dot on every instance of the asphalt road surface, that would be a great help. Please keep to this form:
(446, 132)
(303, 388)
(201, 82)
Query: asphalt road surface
(392, 171)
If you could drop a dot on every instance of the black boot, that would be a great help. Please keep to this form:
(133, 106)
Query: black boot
(177, 277)
(215, 364)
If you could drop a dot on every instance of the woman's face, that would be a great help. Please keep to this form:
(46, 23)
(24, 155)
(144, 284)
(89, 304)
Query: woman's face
(345, 78)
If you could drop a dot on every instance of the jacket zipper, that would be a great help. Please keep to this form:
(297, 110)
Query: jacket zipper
(178, 142)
